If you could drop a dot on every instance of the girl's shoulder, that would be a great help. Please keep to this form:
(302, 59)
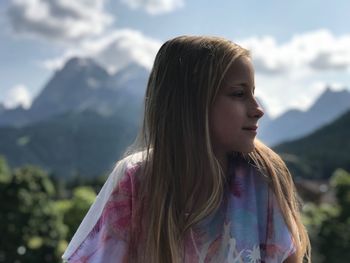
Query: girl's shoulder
(127, 177)
(104, 232)
(127, 170)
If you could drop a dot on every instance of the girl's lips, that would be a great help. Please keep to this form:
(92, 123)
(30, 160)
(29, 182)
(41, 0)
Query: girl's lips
(251, 128)
(252, 131)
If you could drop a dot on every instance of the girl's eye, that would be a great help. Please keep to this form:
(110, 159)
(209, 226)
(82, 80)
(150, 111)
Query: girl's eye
(238, 94)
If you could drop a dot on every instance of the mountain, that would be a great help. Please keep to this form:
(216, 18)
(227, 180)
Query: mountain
(132, 78)
(295, 123)
(77, 143)
(2, 108)
(317, 155)
(82, 85)
(14, 116)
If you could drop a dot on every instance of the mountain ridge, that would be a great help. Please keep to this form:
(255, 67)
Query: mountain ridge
(295, 123)
(82, 84)
(318, 154)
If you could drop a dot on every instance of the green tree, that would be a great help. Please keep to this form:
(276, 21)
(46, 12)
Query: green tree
(334, 234)
(313, 217)
(31, 227)
(75, 209)
(5, 174)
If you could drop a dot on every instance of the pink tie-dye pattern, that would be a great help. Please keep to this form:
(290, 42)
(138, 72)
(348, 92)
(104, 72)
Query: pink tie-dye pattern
(112, 230)
(114, 222)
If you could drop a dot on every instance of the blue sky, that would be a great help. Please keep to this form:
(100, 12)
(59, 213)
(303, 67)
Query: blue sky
(298, 47)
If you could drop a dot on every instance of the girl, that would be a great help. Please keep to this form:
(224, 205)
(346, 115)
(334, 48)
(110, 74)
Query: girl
(200, 187)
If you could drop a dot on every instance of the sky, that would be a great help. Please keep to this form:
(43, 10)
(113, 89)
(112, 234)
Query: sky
(298, 47)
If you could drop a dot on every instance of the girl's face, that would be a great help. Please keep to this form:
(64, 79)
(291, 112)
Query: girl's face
(234, 116)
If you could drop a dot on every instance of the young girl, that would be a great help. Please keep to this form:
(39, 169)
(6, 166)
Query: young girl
(200, 187)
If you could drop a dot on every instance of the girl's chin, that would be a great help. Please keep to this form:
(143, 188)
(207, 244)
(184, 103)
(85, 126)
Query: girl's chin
(247, 149)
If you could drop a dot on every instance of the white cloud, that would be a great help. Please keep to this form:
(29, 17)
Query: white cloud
(304, 54)
(294, 73)
(155, 7)
(283, 92)
(58, 20)
(18, 95)
(319, 86)
(114, 51)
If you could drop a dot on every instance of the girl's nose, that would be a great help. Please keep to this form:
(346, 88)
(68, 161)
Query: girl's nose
(256, 110)
(259, 112)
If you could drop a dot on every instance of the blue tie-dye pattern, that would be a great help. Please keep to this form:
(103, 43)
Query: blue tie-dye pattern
(247, 215)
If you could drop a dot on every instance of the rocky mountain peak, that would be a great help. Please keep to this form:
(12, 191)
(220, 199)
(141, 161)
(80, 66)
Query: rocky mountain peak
(330, 97)
(86, 66)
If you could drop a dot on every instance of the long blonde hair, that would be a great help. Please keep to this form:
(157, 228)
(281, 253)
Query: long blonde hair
(182, 180)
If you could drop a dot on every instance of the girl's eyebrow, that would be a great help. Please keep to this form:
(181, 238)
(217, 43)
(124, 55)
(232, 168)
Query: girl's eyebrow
(243, 84)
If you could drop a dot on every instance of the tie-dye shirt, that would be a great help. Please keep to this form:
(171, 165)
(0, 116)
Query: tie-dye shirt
(247, 227)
